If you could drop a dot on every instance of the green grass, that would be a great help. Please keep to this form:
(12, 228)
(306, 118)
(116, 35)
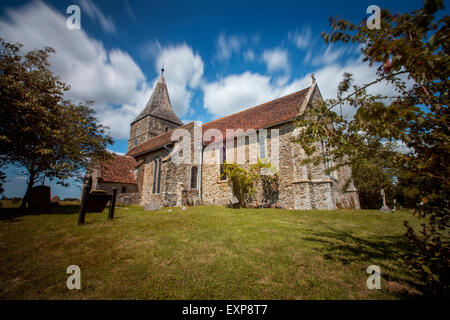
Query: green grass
(203, 253)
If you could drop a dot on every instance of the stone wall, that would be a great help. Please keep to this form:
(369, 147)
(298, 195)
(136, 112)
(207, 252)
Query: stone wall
(297, 187)
(303, 187)
(139, 132)
(175, 180)
(147, 128)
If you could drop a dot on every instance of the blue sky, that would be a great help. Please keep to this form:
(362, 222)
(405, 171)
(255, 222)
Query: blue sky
(220, 57)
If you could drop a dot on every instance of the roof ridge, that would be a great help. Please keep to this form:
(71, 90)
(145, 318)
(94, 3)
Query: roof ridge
(259, 105)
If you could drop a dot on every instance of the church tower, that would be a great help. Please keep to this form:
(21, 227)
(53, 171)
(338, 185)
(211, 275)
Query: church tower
(156, 118)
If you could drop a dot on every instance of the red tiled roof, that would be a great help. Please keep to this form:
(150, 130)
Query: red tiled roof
(261, 116)
(118, 169)
(157, 142)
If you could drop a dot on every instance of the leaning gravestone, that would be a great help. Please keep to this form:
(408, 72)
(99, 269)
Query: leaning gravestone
(153, 206)
(234, 202)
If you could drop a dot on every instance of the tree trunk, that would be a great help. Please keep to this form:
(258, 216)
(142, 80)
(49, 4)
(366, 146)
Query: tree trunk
(26, 198)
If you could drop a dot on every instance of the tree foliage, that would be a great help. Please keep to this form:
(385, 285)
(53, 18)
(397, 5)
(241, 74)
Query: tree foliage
(410, 51)
(372, 174)
(41, 131)
(243, 181)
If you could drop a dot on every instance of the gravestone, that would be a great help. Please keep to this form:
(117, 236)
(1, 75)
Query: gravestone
(234, 202)
(153, 206)
(384, 208)
(40, 197)
(96, 201)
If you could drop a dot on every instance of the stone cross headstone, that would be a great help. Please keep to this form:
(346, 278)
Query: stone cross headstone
(384, 208)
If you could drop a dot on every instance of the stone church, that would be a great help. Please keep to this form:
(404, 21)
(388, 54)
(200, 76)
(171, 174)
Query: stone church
(149, 175)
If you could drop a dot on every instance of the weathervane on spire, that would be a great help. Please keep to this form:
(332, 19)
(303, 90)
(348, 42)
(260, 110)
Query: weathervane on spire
(162, 68)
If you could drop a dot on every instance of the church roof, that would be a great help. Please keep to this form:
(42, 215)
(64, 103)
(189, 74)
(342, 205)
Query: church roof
(159, 104)
(261, 116)
(118, 170)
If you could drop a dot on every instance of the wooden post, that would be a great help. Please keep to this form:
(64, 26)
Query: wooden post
(83, 207)
(112, 205)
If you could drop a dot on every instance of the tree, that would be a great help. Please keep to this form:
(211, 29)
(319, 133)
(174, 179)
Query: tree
(372, 174)
(411, 52)
(41, 131)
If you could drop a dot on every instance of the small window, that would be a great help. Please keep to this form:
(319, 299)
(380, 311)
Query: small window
(158, 185)
(167, 129)
(124, 189)
(223, 176)
(194, 175)
(135, 141)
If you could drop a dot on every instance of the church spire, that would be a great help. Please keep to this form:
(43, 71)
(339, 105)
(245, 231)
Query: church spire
(159, 103)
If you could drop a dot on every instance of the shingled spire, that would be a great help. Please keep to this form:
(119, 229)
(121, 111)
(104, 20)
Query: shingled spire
(159, 104)
(156, 118)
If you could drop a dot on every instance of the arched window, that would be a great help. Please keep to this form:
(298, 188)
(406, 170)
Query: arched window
(194, 171)
(156, 175)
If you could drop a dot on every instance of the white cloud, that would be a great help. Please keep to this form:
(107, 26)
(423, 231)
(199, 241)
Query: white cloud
(111, 78)
(96, 14)
(329, 77)
(301, 39)
(226, 46)
(330, 55)
(237, 92)
(116, 152)
(276, 59)
(183, 73)
(241, 91)
(249, 55)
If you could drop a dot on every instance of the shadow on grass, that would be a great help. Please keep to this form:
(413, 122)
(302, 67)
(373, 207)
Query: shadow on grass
(384, 251)
(14, 213)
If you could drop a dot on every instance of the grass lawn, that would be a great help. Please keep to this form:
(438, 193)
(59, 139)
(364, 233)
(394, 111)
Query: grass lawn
(203, 253)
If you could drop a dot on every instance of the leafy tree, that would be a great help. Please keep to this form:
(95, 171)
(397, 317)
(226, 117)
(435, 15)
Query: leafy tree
(372, 174)
(41, 131)
(411, 53)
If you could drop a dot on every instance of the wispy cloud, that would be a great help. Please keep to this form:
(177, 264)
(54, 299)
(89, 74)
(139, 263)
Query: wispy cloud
(276, 59)
(302, 39)
(331, 54)
(249, 55)
(129, 10)
(226, 46)
(95, 13)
